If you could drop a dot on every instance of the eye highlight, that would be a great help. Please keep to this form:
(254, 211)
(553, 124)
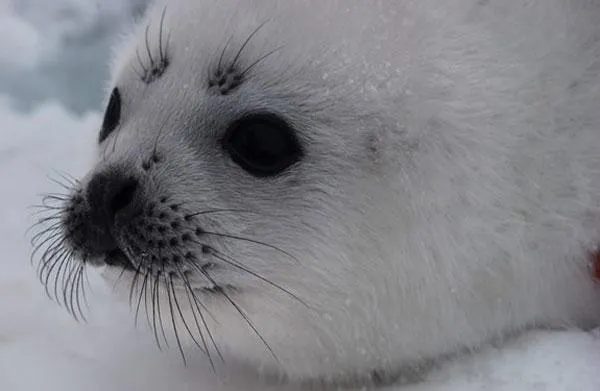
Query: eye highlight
(112, 115)
(262, 144)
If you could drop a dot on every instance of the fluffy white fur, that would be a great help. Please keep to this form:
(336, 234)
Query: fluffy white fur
(450, 192)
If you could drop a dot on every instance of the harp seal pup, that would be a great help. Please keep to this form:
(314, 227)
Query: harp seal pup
(328, 190)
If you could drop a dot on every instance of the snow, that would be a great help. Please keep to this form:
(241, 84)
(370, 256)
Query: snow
(43, 132)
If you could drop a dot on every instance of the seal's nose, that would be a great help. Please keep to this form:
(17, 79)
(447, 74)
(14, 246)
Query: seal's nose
(110, 192)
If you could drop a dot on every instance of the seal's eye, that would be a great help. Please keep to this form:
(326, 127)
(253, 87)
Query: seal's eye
(262, 144)
(112, 115)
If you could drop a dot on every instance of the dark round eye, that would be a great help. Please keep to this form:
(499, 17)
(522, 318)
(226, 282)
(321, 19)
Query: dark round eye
(262, 144)
(112, 116)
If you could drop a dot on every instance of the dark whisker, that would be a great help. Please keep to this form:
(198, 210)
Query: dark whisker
(61, 279)
(133, 285)
(51, 251)
(220, 63)
(158, 310)
(67, 287)
(80, 291)
(148, 50)
(169, 289)
(155, 308)
(66, 186)
(39, 209)
(240, 311)
(62, 276)
(53, 229)
(180, 312)
(241, 49)
(190, 293)
(72, 286)
(148, 294)
(68, 178)
(163, 55)
(139, 74)
(56, 238)
(51, 257)
(139, 58)
(244, 239)
(62, 257)
(54, 197)
(249, 67)
(139, 301)
(236, 264)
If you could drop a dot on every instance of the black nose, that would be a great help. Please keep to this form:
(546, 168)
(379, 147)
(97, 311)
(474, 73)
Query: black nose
(111, 192)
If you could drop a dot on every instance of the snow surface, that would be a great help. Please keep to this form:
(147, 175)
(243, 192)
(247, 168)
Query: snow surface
(41, 346)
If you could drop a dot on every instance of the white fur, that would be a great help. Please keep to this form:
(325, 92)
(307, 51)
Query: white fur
(450, 190)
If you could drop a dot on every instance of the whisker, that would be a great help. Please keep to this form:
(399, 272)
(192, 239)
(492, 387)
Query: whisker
(249, 67)
(49, 253)
(50, 244)
(80, 289)
(68, 178)
(169, 289)
(54, 257)
(155, 304)
(65, 186)
(67, 288)
(62, 274)
(241, 312)
(158, 310)
(139, 58)
(188, 289)
(59, 197)
(241, 49)
(43, 214)
(149, 295)
(254, 241)
(133, 285)
(236, 264)
(219, 64)
(72, 286)
(180, 312)
(139, 301)
(148, 50)
(51, 231)
(137, 72)
(54, 227)
(163, 55)
(59, 258)
(190, 293)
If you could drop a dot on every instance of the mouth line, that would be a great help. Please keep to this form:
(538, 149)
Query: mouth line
(117, 259)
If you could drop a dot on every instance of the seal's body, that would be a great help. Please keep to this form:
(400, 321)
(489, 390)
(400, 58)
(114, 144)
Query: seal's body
(327, 189)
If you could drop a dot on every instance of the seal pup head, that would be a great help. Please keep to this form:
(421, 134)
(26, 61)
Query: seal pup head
(267, 188)
(239, 191)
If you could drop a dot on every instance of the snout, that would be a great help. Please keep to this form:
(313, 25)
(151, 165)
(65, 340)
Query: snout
(96, 213)
(118, 218)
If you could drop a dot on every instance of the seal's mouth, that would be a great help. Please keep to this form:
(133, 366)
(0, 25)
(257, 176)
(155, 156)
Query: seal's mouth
(117, 258)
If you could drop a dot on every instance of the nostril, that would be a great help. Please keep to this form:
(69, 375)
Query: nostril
(110, 192)
(123, 197)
